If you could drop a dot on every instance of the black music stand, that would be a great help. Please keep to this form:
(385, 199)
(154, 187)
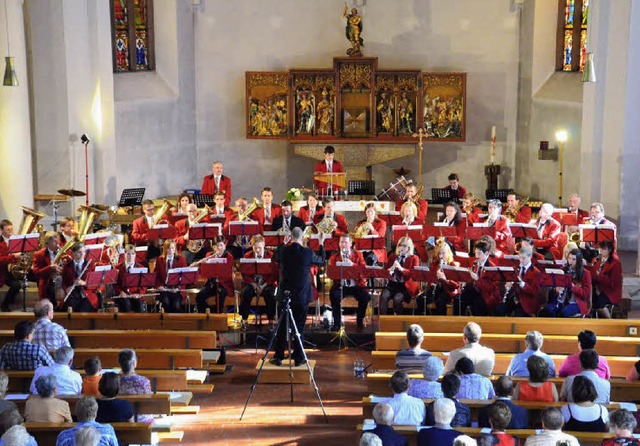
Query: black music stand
(23, 244)
(341, 271)
(443, 196)
(201, 199)
(497, 194)
(177, 277)
(253, 267)
(131, 197)
(361, 187)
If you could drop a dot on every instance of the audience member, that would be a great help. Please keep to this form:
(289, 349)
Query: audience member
(92, 375)
(86, 411)
(406, 409)
(571, 365)
(87, 436)
(538, 387)
(383, 416)
(465, 440)
(483, 358)
(411, 359)
(44, 407)
(17, 436)
(499, 418)
(588, 363)
(429, 387)
(110, 408)
(22, 354)
(46, 332)
(472, 385)
(9, 419)
(552, 434)
(450, 386)
(369, 439)
(130, 383)
(533, 343)
(69, 382)
(623, 423)
(441, 434)
(583, 414)
(4, 384)
(634, 372)
(504, 391)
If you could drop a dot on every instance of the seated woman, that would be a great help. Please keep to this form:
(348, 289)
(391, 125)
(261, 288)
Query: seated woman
(130, 382)
(453, 217)
(607, 279)
(221, 288)
(110, 408)
(441, 433)
(472, 385)
(538, 388)
(429, 387)
(44, 407)
(576, 299)
(623, 423)
(4, 404)
(442, 292)
(583, 415)
(372, 225)
(400, 288)
(311, 211)
(170, 298)
(12, 432)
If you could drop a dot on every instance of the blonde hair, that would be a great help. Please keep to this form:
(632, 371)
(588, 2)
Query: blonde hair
(165, 246)
(407, 241)
(411, 205)
(444, 246)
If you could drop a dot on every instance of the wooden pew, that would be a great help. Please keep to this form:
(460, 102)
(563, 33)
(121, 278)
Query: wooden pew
(585, 438)
(126, 321)
(156, 403)
(619, 365)
(511, 325)
(621, 389)
(157, 358)
(510, 343)
(127, 433)
(161, 380)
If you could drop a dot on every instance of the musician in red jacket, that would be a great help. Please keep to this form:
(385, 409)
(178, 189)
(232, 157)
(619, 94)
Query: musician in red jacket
(503, 238)
(400, 287)
(411, 195)
(468, 207)
(444, 291)
(329, 165)
(607, 279)
(170, 297)
(338, 222)
(141, 227)
(182, 241)
(453, 217)
(268, 212)
(6, 259)
(574, 201)
(454, 185)
(522, 215)
(548, 231)
(128, 299)
(349, 287)
(74, 276)
(217, 182)
(223, 287)
(67, 230)
(576, 299)
(45, 271)
(219, 209)
(521, 298)
(258, 285)
(372, 225)
(481, 296)
(308, 213)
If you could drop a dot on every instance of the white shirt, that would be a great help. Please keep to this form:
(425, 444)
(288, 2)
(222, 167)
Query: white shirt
(407, 410)
(483, 358)
(69, 382)
(551, 438)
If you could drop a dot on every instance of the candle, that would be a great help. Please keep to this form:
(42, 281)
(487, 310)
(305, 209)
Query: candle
(493, 144)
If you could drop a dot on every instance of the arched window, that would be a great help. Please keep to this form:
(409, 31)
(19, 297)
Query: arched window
(132, 35)
(573, 18)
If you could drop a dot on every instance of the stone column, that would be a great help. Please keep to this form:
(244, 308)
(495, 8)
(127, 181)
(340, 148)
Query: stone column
(16, 184)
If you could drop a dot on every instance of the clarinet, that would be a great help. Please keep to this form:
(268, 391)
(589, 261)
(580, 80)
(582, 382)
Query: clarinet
(561, 295)
(437, 283)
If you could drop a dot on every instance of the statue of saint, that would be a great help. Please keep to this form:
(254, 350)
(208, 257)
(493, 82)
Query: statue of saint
(354, 29)
(325, 114)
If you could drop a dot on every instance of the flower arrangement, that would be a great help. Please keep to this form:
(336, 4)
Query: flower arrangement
(294, 194)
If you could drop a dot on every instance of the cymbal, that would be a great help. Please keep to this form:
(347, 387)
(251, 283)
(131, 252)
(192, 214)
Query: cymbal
(71, 192)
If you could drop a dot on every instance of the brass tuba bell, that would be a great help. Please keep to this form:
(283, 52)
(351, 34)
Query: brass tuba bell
(28, 223)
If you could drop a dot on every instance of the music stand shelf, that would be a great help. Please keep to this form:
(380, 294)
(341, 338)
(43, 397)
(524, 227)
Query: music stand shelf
(131, 197)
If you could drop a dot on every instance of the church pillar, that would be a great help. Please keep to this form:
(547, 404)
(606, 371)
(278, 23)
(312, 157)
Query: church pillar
(16, 186)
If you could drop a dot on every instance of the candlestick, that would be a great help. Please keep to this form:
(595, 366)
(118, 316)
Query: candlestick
(493, 144)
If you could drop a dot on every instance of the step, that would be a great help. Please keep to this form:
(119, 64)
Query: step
(273, 374)
(180, 398)
(200, 388)
(185, 410)
(170, 437)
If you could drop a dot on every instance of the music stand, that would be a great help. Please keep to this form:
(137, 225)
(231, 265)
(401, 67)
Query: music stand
(164, 232)
(437, 230)
(96, 239)
(330, 243)
(141, 254)
(99, 278)
(475, 232)
(597, 233)
(93, 253)
(522, 230)
(391, 217)
(343, 271)
(370, 242)
(553, 278)
(204, 231)
(142, 279)
(186, 276)
(375, 272)
(414, 232)
(500, 274)
(251, 267)
(201, 199)
(273, 239)
(509, 260)
(361, 187)
(497, 194)
(131, 197)
(423, 274)
(566, 218)
(218, 269)
(23, 244)
(242, 229)
(442, 196)
(463, 258)
(457, 274)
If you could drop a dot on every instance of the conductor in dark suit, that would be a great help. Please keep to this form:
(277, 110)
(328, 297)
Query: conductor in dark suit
(295, 282)
(287, 219)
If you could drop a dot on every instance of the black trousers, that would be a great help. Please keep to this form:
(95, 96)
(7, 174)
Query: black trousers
(470, 298)
(10, 296)
(209, 290)
(362, 296)
(269, 296)
(78, 302)
(171, 301)
(299, 317)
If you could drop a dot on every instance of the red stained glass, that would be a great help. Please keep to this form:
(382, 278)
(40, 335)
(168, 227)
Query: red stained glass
(122, 51)
(583, 48)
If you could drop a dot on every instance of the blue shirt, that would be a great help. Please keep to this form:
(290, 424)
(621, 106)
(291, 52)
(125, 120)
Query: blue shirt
(23, 355)
(421, 388)
(108, 435)
(518, 365)
(69, 382)
(475, 387)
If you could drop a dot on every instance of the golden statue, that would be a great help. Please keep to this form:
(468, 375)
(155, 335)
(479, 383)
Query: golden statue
(354, 29)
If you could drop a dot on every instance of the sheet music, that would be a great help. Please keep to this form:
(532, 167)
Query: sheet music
(441, 223)
(216, 260)
(96, 236)
(462, 254)
(162, 226)
(554, 271)
(33, 235)
(239, 223)
(511, 257)
(139, 270)
(406, 227)
(100, 268)
(480, 225)
(454, 268)
(522, 225)
(371, 236)
(254, 260)
(141, 248)
(389, 212)
(422, 268)
(94, 247)
(499, 268)
(374, 267)
(183, 269)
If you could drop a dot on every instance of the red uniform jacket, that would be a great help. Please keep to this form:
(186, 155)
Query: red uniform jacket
(342, 223)
(451, 287)
(582, 292)
(522, 216)
(321, 186)
(161, 268)
(42, 270)
(139, 232)
(305, 214)
(503, 235)
(258, 215)
(232, 238)
(380, 229)
(270, 279)
(422, 206)
(5, 260)
(120, 287)
(528, 294)
(610, 279)
(227, 284)
(357, 259)
(474, 216)
(488, 289)
(549, 239)
(411, 261)
(69, 276)
(461, 191)
(182, 228)
(209, 187)
(458, 241)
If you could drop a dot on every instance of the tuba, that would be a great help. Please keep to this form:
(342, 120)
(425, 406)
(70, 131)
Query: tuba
(242, 216)
(112, 242)
(157, 215)
(87, 216)
(195, 246)
(29, 222)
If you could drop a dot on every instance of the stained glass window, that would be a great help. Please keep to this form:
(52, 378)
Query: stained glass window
(132, 27)
(573, 17)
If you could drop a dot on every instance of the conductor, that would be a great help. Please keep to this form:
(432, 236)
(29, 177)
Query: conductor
(295, 283)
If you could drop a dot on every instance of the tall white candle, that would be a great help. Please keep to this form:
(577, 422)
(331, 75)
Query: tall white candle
(493, 144)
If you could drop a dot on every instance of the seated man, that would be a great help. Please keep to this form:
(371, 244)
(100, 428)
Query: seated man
(86, 412)
(338, 222)
(533, 343)
(522, 297)
(45, 332)
(588, 364)
(515, 212)
(472, 385)
(69, 382)
(6, 259)
(268, 212)
(258, 285)
(74, 276)
(238, 244)
(548, 231)
(571, 364)
(454, 185)
(411, 196)
(483, 358)
(450, 386)
(12, 430)
(22, 354)
(441, 433)
(552, 434)
(383, 416)
(504, 391)
(413, 358)
(407, 409)
(287, 219)
(348, 287)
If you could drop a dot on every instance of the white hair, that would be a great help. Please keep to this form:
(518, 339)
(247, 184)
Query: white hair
(444, 409)
(369, 439)
(15, 436)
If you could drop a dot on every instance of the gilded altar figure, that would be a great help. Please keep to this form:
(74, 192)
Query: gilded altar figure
(405, 115)
(306, 112)
(354, 29)
(325, 114)
(385, 114)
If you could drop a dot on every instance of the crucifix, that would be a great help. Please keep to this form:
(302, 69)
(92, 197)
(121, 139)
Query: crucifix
(421, 134)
